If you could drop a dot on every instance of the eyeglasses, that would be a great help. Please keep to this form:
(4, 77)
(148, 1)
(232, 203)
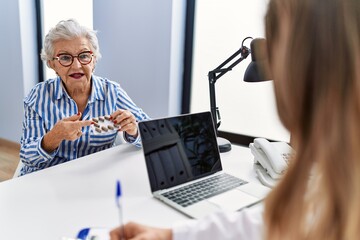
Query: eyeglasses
(66, 59)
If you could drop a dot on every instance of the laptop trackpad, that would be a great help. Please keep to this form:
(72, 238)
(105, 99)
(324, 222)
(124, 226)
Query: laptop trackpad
(233, 200)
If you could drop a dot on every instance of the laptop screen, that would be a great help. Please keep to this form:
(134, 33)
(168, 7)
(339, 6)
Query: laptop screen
(179, 149)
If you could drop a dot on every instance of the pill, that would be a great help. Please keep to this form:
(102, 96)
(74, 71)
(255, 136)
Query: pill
(96, 125)
(110, 127)
(98, 129)
(107, 118)
(95, 120)
(104, 128)
(101, 119)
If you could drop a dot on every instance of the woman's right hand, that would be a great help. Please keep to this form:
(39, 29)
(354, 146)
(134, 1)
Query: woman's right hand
(135, 231)
(66, 129)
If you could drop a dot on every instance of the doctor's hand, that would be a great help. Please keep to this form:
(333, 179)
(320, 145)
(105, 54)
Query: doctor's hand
(126, 120)
(134, 231)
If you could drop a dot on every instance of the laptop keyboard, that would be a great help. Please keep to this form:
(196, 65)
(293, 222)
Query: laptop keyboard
(193, 193)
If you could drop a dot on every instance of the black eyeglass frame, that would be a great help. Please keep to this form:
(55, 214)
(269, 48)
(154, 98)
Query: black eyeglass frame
(72, 58)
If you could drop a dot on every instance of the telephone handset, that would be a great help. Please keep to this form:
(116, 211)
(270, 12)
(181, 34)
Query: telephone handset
(270, 159)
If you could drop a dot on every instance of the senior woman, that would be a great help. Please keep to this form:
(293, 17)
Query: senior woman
(59, 112)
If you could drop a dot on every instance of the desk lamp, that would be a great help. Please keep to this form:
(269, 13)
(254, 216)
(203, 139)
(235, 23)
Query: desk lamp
(257, 71)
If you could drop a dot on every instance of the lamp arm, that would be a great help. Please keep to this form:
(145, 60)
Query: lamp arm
(217, 73)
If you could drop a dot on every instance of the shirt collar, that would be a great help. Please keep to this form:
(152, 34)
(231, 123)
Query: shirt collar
(97, 89)
(59, 91)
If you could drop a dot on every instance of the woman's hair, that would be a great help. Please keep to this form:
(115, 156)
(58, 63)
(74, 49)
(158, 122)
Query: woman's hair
(318, 101)
(68, 30)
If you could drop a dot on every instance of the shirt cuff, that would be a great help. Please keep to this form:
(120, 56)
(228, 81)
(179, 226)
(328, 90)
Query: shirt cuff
(180, 230)
(45, 154)
(133, 140)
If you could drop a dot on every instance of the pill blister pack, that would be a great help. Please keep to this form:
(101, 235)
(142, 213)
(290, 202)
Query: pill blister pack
(103, 124)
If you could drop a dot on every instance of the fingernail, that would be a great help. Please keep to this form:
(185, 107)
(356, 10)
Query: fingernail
(92, 122)
(78, 113)
(111, 117)
(115, 121)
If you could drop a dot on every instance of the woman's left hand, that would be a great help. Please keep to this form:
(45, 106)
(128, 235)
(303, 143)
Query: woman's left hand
(126, 120)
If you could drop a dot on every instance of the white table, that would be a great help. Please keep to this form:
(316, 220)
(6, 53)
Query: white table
(59, 201)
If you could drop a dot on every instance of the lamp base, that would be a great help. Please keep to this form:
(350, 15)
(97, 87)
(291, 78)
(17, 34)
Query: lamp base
(224, 144)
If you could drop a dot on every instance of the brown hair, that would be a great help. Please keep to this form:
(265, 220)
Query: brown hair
(319, 102)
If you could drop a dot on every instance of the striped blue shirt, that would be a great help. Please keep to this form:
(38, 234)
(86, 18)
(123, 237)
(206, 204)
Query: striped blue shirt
(48, 102)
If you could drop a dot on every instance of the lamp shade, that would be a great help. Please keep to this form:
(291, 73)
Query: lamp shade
(258, 69)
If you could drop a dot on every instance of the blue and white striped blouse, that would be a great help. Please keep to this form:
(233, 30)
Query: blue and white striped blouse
(48, 102)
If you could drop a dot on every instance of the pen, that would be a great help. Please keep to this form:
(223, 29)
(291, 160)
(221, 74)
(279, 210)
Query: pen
(118, 203)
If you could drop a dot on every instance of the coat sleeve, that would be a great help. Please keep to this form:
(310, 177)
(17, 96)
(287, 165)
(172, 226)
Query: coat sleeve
(245, 224)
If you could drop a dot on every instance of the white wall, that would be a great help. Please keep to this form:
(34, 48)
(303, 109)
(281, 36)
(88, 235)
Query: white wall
(18, 63)
(142, 47)
(245, 108)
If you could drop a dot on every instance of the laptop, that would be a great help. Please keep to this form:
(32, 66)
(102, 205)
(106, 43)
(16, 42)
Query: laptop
(184, 167)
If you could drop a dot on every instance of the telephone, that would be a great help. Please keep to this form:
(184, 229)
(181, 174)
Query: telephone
(271, 160)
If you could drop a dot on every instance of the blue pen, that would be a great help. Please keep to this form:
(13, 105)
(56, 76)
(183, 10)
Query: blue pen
(118, 203)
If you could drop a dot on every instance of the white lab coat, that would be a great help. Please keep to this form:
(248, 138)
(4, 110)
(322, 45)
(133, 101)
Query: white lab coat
(245, 224)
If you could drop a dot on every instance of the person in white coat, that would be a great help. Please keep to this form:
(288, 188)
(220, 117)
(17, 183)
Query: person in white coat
(314, 53)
